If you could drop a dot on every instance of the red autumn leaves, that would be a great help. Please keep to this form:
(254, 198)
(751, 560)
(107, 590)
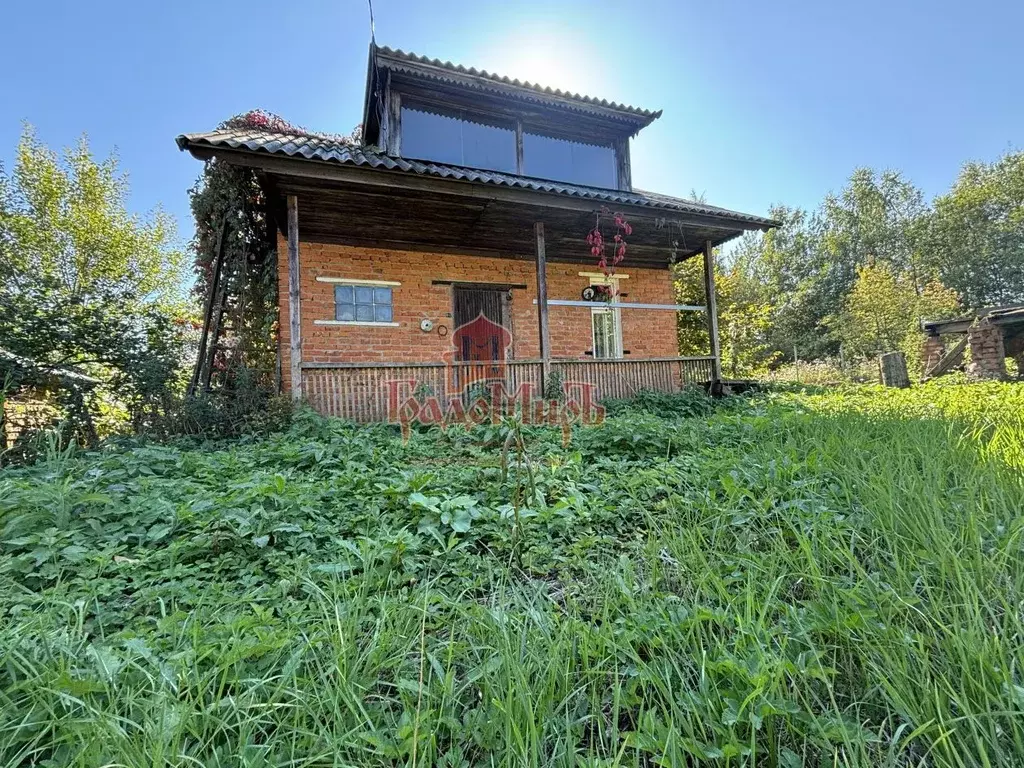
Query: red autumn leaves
(596, 241)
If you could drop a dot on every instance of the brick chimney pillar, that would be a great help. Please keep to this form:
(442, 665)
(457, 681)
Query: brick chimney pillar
(932, 351)
(988, 355)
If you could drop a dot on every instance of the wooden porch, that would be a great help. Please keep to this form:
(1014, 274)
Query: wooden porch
(359, 392)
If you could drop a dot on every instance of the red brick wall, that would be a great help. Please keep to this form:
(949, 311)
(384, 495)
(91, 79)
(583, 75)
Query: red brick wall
(649, 333)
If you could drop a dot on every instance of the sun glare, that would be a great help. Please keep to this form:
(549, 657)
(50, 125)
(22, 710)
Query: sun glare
(551, 62)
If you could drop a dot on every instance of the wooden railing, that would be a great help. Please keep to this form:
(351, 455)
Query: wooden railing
(360, 391)
(625, 378)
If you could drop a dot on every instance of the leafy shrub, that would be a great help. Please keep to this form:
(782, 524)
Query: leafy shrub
(690, 402)
(246, 406)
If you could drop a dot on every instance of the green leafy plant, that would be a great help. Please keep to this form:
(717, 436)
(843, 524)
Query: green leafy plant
(794, 577)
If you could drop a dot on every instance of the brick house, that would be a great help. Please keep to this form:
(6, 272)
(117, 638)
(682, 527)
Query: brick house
(472, 194)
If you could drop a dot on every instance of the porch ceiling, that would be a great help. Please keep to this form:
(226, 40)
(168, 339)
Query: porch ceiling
(359, 196)
(421, 220)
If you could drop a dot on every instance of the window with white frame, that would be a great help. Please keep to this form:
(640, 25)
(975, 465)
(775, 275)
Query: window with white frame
(606, 324)
(607, 337)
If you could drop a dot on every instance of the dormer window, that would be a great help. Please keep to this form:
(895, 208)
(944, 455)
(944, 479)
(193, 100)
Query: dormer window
(463, 137)
(457, 137)
(438, 112)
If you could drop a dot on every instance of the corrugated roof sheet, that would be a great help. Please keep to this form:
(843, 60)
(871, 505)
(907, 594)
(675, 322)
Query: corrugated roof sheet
(645, 115)
(332, 151)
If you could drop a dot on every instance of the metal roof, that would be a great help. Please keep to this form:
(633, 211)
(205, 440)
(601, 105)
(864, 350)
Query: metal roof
(327, 150)
(394, 59)
(1012, 314)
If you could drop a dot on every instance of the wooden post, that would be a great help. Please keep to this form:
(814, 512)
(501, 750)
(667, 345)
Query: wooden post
(542, 304)
(294, 292)
(709, 290)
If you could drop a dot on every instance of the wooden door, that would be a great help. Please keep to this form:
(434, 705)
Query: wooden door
(480, 341)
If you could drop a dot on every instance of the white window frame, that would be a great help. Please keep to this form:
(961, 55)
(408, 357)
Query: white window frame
(610, 308)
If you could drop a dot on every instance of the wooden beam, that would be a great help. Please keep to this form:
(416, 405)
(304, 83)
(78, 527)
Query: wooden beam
(640, 256)
(519, 147)
(542, 303)
(394, 107)
(625, 174)
(294, 293)
(709, 290)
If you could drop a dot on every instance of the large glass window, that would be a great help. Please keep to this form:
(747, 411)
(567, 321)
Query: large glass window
(452, 137)
(561, 160)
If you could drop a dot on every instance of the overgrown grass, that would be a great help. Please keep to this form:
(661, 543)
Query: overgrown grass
(790, 579)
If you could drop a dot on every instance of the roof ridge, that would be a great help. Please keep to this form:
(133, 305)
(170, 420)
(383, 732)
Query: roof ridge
(398, 53)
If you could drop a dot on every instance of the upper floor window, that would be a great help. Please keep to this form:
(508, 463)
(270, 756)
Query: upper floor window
(448, 133)
(547, 157)
(452, 136)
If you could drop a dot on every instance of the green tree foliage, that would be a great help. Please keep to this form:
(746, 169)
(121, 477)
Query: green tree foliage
(791, 272)
(883, 311)
(861, 269)
(974, 238)
(744, 317)
(230, 210)
(91, 308)
(233, 216)
(64, 219)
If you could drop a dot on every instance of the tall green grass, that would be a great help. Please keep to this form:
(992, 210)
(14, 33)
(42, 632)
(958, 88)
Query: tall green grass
(794, 579)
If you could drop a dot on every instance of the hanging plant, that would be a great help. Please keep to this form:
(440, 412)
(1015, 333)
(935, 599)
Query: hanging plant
(598, 248)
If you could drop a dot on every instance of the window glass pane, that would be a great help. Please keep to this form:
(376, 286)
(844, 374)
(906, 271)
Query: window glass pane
(428, 136)
(605, 335)
(599, 338)
(487, 146)
(549, 158)
(362, 303)
(457, 138)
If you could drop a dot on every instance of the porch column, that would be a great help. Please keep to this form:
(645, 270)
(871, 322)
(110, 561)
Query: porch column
(294, 292)
(712, 312)
(542, 304)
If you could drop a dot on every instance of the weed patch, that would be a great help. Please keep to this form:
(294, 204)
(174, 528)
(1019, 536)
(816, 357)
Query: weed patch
(790, 578)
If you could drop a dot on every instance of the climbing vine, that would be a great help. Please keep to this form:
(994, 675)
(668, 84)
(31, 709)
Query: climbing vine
(234, 220)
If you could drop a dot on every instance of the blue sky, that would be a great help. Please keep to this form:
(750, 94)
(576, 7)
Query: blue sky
(764, 102)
